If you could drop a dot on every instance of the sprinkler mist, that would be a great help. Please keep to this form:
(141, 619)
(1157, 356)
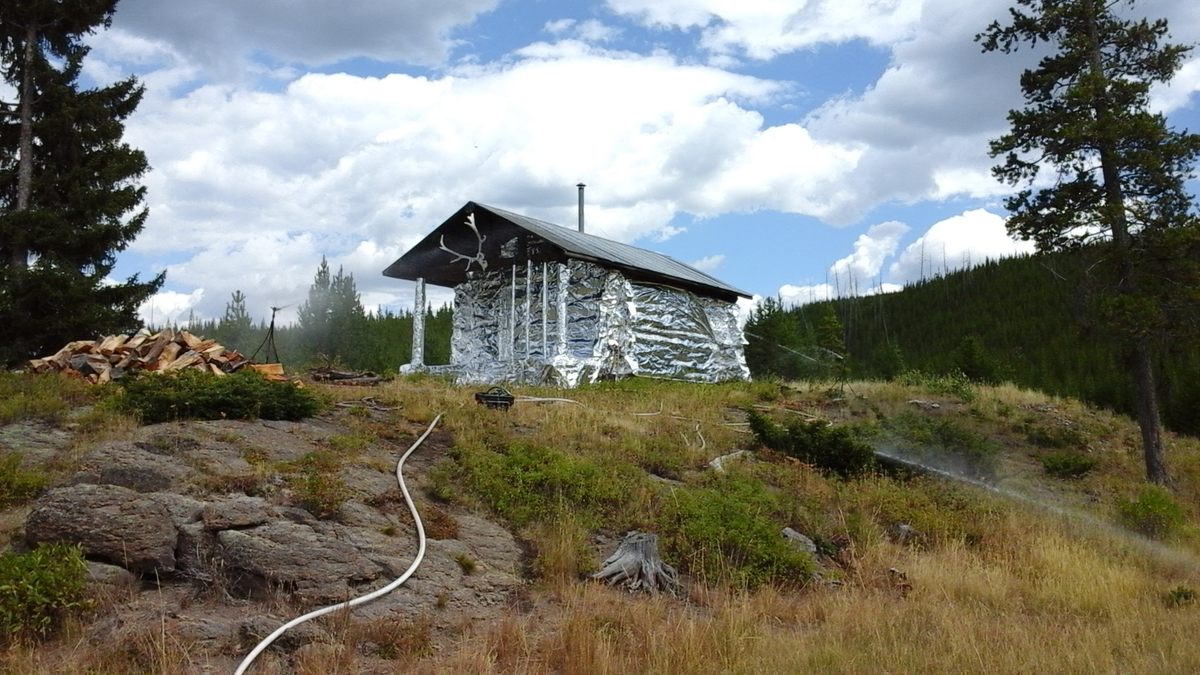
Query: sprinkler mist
(1079, 520)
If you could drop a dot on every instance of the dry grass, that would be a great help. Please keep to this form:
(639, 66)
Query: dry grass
(994, 585)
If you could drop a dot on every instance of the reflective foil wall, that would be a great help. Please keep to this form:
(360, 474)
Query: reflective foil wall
(565, 324)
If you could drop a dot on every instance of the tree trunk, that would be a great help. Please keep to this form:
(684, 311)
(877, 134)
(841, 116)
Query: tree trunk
(636, 565)
(1148, 417)
(20, 251)
(1141, 366)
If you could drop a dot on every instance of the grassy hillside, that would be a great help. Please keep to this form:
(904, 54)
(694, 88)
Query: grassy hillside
(1018, 319)
(1006, 568)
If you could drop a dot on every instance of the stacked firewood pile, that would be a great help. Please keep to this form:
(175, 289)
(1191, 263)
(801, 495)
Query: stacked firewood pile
(165, 351)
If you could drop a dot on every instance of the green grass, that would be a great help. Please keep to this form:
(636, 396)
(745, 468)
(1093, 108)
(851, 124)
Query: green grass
(43, 397)
(16, 483)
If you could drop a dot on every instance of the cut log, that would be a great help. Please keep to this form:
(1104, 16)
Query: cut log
(190, 341)
(636, 565)
(110, 344)
(188, 358)
(158, 343)
(138, 339)
(169, 354)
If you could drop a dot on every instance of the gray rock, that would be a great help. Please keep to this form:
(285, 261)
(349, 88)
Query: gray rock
(36, 442)
(130, 465)
(237, 511)
(315, 566)
(183, 509)
(109, 575)
(207, 629)
(109, 522)
(902, 533)
(194, 553)
(800, 541)
(254, 629)
(136, 478)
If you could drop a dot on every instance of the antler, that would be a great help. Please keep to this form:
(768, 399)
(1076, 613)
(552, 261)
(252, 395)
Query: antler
(478, 258)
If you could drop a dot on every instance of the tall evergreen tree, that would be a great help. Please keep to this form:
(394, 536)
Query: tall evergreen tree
(236, 326)
(69, 198)
(314, 314)
(1117, 174)
(331, 319)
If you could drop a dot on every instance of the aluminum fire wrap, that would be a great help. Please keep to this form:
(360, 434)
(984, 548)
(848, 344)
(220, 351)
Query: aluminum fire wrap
(597, 324)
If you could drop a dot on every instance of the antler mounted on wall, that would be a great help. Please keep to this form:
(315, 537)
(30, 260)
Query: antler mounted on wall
(471, 259)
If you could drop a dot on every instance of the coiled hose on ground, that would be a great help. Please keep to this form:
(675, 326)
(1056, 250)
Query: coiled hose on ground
(363, 599)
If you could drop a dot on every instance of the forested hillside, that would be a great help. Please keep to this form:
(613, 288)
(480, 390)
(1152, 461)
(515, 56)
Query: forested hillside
(1019, 319)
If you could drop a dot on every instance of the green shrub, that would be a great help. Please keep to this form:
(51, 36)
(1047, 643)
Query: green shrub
(954, 384)
(316, 485)
(1067, 464)
(1055, 437)
(831, 449)
(1179, 596)
(524, 483)
(1154, 513)
(16, 484)
(725, 530)
(38, 589)
(944, 443)
(192, 394)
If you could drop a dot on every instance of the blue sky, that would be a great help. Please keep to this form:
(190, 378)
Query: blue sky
(791, 147)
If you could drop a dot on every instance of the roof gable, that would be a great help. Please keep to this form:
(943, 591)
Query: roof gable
(481, 238)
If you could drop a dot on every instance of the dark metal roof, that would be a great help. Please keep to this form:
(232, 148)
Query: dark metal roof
(428, 260)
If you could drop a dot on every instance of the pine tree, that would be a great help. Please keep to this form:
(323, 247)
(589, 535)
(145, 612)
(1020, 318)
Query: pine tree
(236, 326)
(314, 314)
(1119, 175)
(831, 340)
(332, 319)
(69, 198)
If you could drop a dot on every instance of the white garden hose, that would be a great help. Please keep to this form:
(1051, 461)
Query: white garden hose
(363, 599)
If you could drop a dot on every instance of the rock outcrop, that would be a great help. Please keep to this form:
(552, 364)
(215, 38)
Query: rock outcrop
(111, 523)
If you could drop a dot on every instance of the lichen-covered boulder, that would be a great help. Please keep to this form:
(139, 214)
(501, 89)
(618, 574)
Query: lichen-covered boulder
(111, 523)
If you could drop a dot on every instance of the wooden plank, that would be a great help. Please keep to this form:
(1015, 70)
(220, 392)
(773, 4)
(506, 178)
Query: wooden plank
(268, 368)
(216, 370)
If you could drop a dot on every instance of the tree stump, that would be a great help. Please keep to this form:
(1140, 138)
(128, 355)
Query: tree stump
(636, 565)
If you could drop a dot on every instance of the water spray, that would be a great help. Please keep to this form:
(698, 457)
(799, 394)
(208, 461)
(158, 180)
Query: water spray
(1073, 516)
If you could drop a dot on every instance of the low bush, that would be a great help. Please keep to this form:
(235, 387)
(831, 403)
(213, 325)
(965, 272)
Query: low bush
(944, 443)
(17, 484)
(1154, 512)
(525, 483)
(730, 529)
(831, 449)
(1055, 437)
(1067, 464)
(39, 588)
(954, 384)
(192, 394)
